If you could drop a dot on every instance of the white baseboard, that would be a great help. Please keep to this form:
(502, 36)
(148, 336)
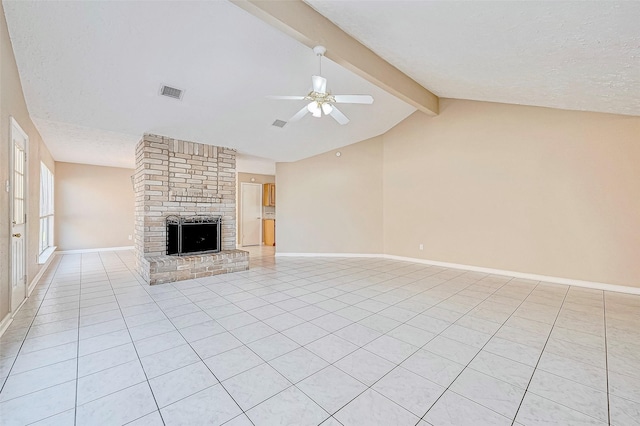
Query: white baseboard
(5, 323)
(328, 255)
(8, 319)
(94, 250)
(40, 273)
(45, 255)
(524, 275)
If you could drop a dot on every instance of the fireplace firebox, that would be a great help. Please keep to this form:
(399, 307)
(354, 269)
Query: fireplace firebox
(193, 235)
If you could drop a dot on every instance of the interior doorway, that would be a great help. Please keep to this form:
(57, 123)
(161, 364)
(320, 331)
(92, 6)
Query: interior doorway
(251, 214)
(18, 208)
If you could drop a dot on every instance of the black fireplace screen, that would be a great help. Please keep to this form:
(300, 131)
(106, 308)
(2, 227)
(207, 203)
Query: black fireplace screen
(193, 235)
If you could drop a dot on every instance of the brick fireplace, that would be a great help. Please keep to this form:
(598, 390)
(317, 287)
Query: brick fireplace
(184, 179)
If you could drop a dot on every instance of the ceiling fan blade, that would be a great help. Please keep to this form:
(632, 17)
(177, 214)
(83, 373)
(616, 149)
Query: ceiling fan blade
(338, 116)
(293, 98)
(354, 99)
(304, 111)
(319, 84)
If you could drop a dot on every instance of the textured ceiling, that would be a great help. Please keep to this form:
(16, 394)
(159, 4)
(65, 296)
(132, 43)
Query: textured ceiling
(579, 55)
(91, 72)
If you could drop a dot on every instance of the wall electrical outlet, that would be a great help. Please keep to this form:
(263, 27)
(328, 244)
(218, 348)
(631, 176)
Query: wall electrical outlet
(130, 237)
(421, 246)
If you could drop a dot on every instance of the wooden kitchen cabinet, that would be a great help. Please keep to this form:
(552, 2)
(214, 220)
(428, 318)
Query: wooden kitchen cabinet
(269, 231)
(269, 194)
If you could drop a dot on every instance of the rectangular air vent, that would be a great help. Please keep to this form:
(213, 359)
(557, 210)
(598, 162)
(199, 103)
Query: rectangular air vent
(171, 92)
(279, 123)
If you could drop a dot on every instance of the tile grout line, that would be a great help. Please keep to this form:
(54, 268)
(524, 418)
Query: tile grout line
(606, 354)
(269, 303)
(454, 323)
(485, 299)
(331, 415)
(134, 348)
(249, 348)
(552, 326)
(198, 355)
(572, 380)
(467, 285)
(480, 350)
(75, 407)
(24, 339)
(212, 373)
(79, 308)
(363, 348)
(277, 332)
(384, 334)
(69, 310)
(398, 365)
(241, 289)
(540, 356)
(397, 287)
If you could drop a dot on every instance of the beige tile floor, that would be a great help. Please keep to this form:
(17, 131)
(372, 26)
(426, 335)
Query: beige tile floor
(307, 341)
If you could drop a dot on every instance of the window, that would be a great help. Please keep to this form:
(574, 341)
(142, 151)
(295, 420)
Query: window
(46, 208)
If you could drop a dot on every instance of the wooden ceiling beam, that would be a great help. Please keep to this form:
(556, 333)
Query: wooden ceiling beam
(305, 24)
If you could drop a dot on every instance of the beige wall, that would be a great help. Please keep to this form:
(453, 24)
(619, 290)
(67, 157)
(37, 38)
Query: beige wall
(12, 104)
(246, 178)
(94, 206)
(329, 204)
(518, 188)
(526, 189)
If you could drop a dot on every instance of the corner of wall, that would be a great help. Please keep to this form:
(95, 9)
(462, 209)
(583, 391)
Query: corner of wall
(13, 104)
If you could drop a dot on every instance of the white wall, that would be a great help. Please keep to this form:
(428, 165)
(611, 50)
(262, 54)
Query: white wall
(525, 189)
(94, 206)
(329, 204)
(12, 104)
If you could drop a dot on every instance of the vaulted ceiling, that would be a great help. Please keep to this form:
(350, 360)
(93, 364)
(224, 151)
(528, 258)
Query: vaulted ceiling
(91, 71)
(577, 55)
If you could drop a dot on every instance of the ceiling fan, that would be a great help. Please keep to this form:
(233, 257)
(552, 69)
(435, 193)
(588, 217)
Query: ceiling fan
(321, 101)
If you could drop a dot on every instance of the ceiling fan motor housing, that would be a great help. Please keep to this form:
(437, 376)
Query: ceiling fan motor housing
(320, 100)
(319, 50)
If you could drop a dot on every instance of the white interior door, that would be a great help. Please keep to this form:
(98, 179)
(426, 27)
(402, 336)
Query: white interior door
(18, 185)
(251, 214)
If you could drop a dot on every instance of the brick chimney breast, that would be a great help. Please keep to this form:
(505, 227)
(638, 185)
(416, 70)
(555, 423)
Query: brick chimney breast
(181, 178)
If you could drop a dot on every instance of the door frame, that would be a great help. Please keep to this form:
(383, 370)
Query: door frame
(15, 127)
(242, 186)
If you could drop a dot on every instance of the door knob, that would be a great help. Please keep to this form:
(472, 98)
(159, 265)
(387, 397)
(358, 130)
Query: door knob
(18, 235)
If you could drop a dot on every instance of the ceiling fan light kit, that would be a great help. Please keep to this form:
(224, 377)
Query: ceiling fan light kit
(327, 108)
(320, 100)
(314, 109)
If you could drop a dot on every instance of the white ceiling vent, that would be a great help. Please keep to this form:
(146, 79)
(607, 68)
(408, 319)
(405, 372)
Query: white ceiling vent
(279, 123)
(171, 92)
